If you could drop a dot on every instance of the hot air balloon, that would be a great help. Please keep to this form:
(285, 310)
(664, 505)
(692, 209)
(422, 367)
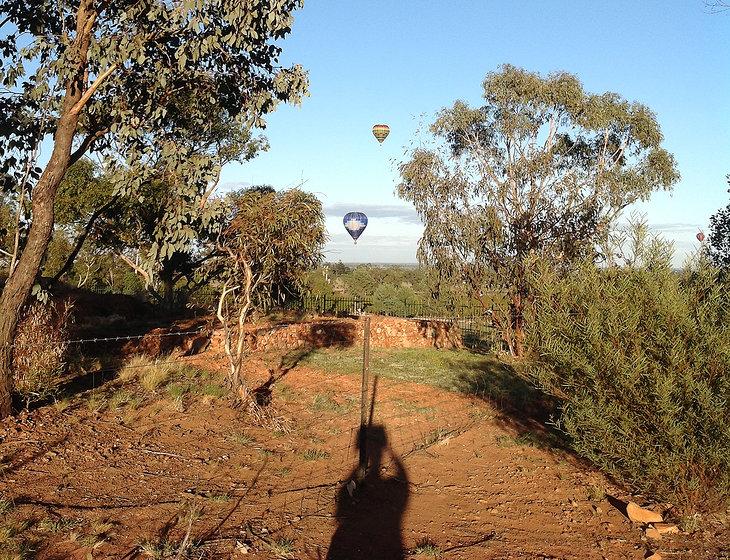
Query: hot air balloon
(355, 223)
(700, 236)
(381, 131)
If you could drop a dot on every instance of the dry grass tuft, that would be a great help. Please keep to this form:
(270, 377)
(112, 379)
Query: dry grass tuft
(39, 350)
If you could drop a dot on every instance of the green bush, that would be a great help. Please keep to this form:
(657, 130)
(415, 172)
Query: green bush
(639, 357)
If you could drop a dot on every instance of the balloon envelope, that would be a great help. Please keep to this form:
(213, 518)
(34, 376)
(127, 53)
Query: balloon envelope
(355, 223)
(381, 131)
(700, 237)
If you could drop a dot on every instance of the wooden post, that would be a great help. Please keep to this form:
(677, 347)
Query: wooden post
(362, 441)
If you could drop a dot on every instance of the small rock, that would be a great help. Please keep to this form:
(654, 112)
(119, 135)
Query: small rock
(655, 556)
(640, 515)
(652, 533)
(666, 528)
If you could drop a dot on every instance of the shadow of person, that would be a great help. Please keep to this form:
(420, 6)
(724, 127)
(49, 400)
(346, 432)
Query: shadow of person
(370, 512)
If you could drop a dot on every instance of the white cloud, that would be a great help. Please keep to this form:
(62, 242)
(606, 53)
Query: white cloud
(405, 214)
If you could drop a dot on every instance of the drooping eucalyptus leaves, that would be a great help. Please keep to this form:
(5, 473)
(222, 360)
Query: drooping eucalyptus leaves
(542, 168)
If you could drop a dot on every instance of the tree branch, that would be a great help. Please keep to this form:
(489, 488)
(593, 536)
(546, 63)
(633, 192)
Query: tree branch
(85, 145)
(76, 109)
(78, 244)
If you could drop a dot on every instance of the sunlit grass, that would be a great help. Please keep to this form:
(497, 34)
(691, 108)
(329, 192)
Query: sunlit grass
(460, 371)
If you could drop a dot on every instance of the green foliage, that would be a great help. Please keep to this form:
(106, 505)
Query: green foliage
(542, 168)
(278, 237)
(393, 300)
(82, 191)
(392, 289)
(719, 239)
(639, 357)
(167, 90)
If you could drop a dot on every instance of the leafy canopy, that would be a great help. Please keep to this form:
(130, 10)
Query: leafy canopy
(542, 167)
(173, 85)
(278, 236)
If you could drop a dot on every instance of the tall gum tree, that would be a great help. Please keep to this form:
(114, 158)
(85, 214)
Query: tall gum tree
(116, 78)
(540, 170)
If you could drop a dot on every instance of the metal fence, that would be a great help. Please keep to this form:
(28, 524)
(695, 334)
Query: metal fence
(475, 322)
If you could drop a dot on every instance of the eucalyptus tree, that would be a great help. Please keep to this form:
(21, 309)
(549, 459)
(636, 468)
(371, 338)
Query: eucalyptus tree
(270, 243)
(133, 81)
(541, 169)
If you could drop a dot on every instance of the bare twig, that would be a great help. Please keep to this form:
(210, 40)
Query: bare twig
(21, 199)
(162, 453)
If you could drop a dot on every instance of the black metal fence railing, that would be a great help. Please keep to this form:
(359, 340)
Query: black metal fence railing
(475, 322)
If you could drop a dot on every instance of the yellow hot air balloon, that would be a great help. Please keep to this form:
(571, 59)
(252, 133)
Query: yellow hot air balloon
(381, 131)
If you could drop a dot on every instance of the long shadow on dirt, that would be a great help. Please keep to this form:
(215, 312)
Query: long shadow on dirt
(370, 511)
(324, 334)
(522, 407)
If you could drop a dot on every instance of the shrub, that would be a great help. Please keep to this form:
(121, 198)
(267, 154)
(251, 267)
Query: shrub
(39, 350)
(639, 357)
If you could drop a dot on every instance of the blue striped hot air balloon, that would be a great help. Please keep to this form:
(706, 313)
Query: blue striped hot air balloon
(355, 223)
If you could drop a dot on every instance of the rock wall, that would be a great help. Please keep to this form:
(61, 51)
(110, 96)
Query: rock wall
(385, 332)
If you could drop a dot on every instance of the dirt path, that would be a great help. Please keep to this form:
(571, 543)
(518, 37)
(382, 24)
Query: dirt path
(455, 481)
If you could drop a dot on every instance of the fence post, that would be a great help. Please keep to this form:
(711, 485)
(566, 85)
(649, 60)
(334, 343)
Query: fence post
(362, 435)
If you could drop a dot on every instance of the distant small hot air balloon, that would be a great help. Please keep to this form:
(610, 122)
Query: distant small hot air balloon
(700, 236)
(355, 223)
(381, 131)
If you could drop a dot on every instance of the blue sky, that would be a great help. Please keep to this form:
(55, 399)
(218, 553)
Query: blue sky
(399, 62)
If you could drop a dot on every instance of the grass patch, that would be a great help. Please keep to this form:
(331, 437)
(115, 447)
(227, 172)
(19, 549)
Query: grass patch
(527, 439)
(178, 390)
(426, 547)
(61, 405)
(433, 437)
(154, 374)
(315, 455)
(285, 392)
(322, 402)
(58, 525)
(100, 531)
(691, 523)
(5, 506)
(219, 498)
(157, 550)
(122, 398)
(96, 402)
(282, 548)
(459, 371)
(213, 390)
(596, 493)
(15, 544)
(240, 438)
(415, 408)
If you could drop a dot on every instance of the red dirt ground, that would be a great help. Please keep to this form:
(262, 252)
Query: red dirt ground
(454, 474)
